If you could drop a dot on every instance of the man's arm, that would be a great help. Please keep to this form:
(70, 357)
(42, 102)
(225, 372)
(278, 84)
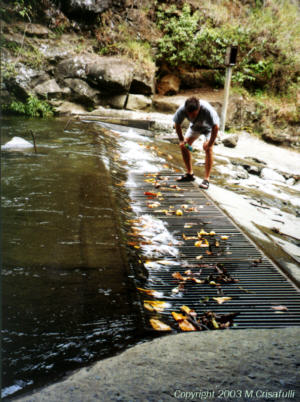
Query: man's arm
(214, 133)
(179, 132)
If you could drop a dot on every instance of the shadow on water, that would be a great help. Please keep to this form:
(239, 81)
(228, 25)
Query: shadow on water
(67, 294)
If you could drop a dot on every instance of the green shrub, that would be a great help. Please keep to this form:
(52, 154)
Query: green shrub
(267, 38)
(32, 108)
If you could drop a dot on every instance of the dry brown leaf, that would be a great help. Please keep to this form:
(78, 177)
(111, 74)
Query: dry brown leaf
(159, 325)
(177, 275)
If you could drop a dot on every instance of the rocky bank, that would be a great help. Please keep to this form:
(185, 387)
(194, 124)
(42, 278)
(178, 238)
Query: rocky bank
(59, 60)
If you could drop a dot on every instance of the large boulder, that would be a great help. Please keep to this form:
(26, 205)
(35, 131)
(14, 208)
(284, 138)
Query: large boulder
(169, 85)
(50, 89)
(138, 102)
(81, 92)
(21, 83)
(230, 141)
(112, 75)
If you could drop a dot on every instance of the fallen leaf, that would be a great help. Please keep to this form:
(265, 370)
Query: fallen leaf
(224, 237)
(186, 309)
(178, 316)
(150, 292)
(185, 325)
(197, 280)
(221, 300)
(199, 257)
(152, 194)
(177, 275)
(179, 212)
(189, 237)
(154, 205)
(164, 262)
(159, 325)
(212, 233)
(202, 232)
(153, 305)
(121, 184)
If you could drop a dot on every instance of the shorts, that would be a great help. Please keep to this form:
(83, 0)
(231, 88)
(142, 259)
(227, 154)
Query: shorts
(195, 135)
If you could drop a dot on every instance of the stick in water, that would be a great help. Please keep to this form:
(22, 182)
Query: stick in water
(34, 143)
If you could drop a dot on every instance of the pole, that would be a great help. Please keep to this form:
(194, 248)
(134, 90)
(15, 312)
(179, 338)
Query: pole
(226, 97)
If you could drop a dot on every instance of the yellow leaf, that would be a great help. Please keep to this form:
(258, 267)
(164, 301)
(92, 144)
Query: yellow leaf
(197, 280)
(178, 316)
(179, 212)
(199, 257)
(150, 292)
(202, 232)
(185, 325)
(164, 262)
(186, 309)
(224, 237)
(153, 305)
(221, 300)
(198, 243)
(214, 323)
(159, 325)
(212, 233)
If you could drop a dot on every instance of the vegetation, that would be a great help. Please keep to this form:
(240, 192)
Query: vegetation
(33, 107)
(267, 36)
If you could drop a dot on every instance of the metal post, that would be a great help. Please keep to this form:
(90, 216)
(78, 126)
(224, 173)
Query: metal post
(226, 97)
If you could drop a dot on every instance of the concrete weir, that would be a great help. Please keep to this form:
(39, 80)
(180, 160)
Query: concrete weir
(258, 360)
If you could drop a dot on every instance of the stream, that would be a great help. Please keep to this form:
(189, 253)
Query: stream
(68, 292)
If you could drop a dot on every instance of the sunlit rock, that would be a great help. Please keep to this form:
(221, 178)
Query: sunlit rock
(270, 174)
(16, 143)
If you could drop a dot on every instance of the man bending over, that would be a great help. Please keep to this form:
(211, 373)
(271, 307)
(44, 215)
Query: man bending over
(204, 120)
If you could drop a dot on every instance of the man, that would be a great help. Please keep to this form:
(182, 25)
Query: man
(204, 120)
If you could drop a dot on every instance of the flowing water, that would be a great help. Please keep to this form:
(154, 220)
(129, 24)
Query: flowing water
(67, 293)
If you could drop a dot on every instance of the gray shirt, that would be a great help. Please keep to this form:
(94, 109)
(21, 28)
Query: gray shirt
(205, 120)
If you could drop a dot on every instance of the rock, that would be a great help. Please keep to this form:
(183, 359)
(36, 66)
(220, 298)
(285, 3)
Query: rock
(67, 108)
(256, 160)
(111, 75)
(81, 92)
(143, 81)
(270, 174)
(241, 173)
(230, 141)
(253, 169)
(291, 181)
(138, 102)
(22, 83)
(276, 138)
(37, 30)
(117, 101)
(49, 90)
(169, 85)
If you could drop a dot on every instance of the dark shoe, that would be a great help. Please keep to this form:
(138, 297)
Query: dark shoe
(186, 177)
(204, 184)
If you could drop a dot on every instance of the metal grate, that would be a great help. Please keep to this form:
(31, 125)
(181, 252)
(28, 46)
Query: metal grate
(260, 285)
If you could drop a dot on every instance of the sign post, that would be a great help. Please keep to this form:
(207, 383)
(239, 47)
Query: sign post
(230, 61)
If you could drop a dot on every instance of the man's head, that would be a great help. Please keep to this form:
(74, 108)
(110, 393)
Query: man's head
(192, 107)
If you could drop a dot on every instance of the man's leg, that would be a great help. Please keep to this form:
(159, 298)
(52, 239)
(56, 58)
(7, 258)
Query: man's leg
(186, 154)
(208, 159)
